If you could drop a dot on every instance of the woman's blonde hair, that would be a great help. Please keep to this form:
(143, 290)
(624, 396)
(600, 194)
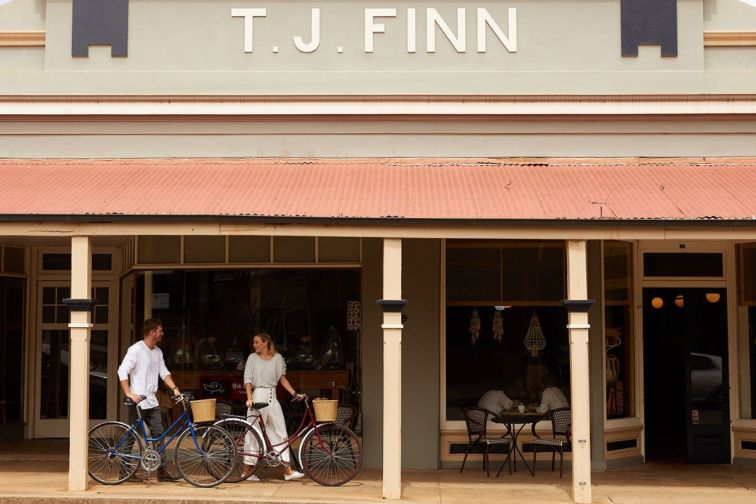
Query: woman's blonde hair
(268, 340)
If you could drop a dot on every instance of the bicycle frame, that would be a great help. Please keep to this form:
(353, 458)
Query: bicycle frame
(178, 426)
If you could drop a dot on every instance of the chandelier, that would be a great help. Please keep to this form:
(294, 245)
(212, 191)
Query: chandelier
(534, 340)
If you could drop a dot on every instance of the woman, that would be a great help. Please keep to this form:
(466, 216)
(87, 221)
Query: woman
(264, 371)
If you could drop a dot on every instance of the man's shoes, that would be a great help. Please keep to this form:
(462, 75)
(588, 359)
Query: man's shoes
(252, 477)
(166, 475)
(294, 475)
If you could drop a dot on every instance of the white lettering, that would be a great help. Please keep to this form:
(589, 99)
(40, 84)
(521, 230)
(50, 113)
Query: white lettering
(434, 19)
(485, 19)
(314, 39)
(411, 31)
(371, 27)
(249, 16)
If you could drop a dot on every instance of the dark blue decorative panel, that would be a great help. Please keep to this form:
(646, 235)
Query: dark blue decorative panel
(649, 22)
(100, 22)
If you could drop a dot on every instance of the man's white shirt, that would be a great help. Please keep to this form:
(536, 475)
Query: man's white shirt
(141, 367)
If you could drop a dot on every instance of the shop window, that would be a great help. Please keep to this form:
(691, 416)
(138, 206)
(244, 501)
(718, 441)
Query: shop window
(747, 335)
(664, 264)
(249, 249)
(62, 262)
(618, 297)
(300, 249)
(53, 309)
(204, 249)
(210, 316)
(12, 301)
(337, 250)
(159, 249)
(505, 326)
(14, 260)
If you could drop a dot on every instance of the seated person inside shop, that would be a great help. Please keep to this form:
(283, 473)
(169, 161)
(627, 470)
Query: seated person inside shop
(552, 396)
(495, 401)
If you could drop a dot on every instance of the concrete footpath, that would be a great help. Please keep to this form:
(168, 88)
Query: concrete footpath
(37, 480)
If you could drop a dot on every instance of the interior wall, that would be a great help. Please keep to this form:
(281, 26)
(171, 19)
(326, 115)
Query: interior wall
(420, 353)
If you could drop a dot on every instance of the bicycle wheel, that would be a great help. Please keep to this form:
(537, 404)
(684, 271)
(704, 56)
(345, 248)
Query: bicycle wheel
(331, 454)
(249, 448)
(205, 459)
(115, 452)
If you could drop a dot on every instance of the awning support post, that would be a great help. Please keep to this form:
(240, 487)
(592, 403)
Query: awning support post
(392, 304)
(81, 327)
(577, 306)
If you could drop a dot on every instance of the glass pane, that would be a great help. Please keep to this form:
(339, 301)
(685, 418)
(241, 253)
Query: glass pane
(63, 314)
(63, 293)
(48, 295)
(249, 249)
(497, 358)
(747, 274)
(294, 249)
(677, 265)
(338, 249)
(14, 260)
(534, 272)
(98, 375)
(473, 274)
(159, 249)
(53, 403)
(48, 314)
(101, 315)
(204, 249)
(102, 296)
(102, 262)
(618, 329)
(56, 262)
(11, 349)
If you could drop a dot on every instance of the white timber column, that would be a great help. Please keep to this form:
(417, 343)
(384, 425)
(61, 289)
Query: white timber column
(392, 304)
(80, 304)
(577, 306)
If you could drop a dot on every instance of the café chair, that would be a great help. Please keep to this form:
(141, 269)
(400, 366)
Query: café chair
(560, 441)
(346, 415)
(476, 420)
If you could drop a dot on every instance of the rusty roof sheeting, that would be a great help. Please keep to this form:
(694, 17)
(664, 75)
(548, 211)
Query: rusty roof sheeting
(437, 189)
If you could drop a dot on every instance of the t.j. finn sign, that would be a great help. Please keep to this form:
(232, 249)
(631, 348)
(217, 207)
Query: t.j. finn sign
(643, 22)
(374, 22)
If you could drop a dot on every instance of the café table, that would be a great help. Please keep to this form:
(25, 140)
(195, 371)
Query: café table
(515, 421)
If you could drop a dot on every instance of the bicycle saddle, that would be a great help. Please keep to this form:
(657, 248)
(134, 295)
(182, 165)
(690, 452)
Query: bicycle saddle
(259, 405)
(129, 402)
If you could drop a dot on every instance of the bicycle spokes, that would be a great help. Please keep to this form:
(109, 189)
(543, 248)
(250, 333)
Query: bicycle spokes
(331, 455)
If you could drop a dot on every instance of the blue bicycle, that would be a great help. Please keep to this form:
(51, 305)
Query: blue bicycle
(203, 455)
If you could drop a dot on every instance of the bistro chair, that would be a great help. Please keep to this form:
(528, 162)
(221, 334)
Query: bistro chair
(476, 420)
(346, 415)
(223, 409)
(560, 441)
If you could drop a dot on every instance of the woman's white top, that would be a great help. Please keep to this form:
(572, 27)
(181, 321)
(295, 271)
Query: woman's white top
(264, 373)
(142, 366)
(552, 398)
(496, 401)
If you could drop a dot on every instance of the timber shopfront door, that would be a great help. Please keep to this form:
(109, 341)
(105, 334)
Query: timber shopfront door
(685, 374)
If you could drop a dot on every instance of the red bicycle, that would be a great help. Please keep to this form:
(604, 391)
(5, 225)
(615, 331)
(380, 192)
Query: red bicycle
(330, 453)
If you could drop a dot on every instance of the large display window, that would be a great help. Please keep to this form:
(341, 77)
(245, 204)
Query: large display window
(505, 326)
(210, 317)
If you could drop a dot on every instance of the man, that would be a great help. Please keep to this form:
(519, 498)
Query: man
(142, 366)
(495, 401)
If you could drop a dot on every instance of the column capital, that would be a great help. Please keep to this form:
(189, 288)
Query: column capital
(577, 305)
(80, 305)
(392, 305)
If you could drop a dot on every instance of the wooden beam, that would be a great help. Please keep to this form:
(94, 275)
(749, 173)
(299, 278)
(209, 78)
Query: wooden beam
(22, 39)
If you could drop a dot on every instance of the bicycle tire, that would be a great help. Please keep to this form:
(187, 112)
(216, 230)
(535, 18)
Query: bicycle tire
(108, 461)
(249, 448)
(331, 454)
(208, 462)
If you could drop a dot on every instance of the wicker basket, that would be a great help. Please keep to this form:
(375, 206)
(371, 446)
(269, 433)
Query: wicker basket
(203, 410)
(325, 409)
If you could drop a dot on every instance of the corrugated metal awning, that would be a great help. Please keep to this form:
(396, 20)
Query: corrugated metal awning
(369, 189)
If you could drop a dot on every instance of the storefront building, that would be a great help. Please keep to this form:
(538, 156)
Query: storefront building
(233, 167)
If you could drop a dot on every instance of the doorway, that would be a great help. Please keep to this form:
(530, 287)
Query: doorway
(685, 375)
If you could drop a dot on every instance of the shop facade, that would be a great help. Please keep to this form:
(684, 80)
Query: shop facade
(237, 167)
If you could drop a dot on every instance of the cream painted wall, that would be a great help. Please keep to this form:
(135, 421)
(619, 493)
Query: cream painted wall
(196, 47)
(420, 354)
(22, 15)
(381, 137)
(729, 15)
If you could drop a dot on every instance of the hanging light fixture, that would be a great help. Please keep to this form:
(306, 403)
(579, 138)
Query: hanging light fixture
(679, 301)
(474, 327)
(534, 339)
(657, 302)
(498, 325)
(713, 297)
